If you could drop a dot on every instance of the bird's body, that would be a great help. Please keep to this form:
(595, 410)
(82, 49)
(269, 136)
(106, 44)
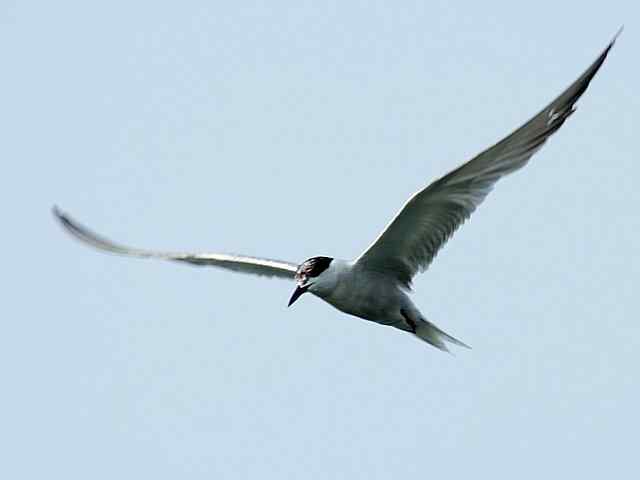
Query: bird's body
(365, 294)
(354, 289)
(376, 285)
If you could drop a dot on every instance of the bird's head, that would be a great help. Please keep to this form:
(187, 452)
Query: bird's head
(309, 275)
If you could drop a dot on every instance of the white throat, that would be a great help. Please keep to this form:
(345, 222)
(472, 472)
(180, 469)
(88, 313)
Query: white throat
(324, 284)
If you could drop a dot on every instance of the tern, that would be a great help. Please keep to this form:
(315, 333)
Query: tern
(376, 285)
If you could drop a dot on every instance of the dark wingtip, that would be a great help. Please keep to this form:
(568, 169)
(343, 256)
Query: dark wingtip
(612, 42)
(59, 214)
(62, 218)
(615, 37)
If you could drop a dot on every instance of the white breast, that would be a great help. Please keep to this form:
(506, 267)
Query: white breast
(362, 293)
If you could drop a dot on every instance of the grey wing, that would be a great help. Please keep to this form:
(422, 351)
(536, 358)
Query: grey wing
(414, 237)
(238, 263)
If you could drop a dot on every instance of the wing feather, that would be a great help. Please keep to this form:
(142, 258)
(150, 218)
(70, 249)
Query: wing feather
(414, 237)
(238, 263)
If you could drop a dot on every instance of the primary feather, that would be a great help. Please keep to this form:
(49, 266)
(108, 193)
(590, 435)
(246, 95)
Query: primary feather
(413, 238)
(238, 263)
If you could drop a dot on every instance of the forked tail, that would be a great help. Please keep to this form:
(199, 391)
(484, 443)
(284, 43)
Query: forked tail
(415, 323)
(428, 332)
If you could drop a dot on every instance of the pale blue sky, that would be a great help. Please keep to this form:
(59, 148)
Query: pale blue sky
(293, 129)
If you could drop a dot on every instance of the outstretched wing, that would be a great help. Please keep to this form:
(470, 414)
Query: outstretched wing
(429, 218)
(238, 263)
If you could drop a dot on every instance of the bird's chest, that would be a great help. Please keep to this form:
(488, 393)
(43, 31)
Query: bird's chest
(365, 298)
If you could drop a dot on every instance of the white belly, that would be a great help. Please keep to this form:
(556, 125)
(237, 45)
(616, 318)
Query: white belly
(369, 297)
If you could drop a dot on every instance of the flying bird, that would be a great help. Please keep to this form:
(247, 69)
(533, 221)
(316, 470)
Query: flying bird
(376, 285)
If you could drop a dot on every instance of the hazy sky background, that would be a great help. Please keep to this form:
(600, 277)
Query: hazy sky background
(293, 129)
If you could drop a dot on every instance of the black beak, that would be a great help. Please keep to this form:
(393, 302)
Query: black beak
(296, 294)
